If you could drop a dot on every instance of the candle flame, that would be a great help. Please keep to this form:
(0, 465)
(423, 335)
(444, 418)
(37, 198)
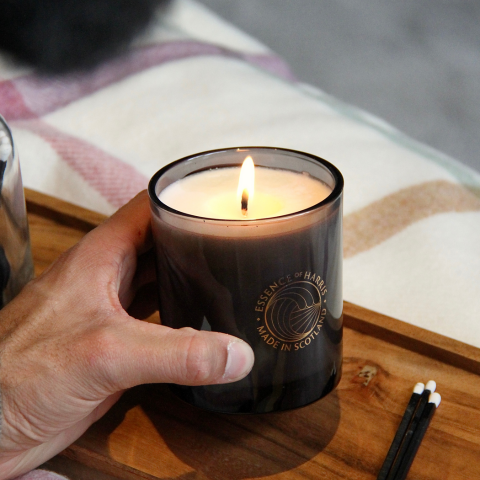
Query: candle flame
(246, 184)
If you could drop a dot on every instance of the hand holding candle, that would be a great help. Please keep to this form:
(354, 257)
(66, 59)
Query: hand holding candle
(68, 347)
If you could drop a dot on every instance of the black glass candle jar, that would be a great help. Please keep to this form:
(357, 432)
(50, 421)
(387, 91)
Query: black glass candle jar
(274, 282)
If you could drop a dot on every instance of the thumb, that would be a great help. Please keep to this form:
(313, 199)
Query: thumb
(149, 353)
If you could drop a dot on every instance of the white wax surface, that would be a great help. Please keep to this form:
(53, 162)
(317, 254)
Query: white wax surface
(213, 193)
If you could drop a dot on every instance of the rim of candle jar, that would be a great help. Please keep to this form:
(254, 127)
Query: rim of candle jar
(328, 200)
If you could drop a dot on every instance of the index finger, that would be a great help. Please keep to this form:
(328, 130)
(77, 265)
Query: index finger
(128, 228)
(109, 253)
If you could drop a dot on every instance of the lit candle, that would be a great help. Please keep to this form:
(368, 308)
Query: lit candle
(260, 259)
(267, 192)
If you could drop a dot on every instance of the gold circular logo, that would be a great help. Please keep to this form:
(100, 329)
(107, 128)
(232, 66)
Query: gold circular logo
(293, 312)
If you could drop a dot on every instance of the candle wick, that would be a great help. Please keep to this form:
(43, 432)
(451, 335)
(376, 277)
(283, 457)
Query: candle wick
(245, 202)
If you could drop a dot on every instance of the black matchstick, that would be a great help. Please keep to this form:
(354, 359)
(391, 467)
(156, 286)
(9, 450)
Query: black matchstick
(416, 440)
(429, 388)
(402, 428)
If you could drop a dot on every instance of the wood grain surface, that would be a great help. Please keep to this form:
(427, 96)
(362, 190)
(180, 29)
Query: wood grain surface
(149, 434)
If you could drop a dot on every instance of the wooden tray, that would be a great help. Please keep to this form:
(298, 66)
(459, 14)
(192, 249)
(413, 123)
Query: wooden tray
(149, 434)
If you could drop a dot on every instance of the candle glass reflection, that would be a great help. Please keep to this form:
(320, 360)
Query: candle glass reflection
(16, 263)
(274, 282)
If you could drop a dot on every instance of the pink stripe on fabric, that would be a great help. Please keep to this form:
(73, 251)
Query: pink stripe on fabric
(42, 95)
(12, 103)
(41, 475)
(272, 64)
(114, 179)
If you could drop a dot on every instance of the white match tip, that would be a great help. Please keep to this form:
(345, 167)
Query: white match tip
(431, 385)
(419, 388)
(435, 398)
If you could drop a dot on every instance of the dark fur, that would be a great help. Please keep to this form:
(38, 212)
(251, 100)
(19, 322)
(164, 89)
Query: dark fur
(58, 36)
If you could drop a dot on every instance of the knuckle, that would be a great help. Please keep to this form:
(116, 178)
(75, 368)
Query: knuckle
(199, 361)
(100, 352)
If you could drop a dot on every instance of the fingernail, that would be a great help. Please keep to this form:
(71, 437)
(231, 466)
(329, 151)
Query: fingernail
(239, 361)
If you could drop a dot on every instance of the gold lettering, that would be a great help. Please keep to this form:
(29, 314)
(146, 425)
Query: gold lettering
(313, 278)
(308, 340)
(265, 337)
(324, 312)
(273, 287)
(286, 347)
(270, 341)
(289, 278)
(261, 329)
(281, 281)
(307, 275)
(263, 297)
(259, 309)
(268, 292)
(275, 345)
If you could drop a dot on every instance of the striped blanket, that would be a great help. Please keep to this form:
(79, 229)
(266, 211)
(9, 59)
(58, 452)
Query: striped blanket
(194, 83)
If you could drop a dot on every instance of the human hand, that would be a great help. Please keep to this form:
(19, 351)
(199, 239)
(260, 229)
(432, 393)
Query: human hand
(68, 347)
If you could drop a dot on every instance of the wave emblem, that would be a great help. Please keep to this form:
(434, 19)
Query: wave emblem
(294, 311)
